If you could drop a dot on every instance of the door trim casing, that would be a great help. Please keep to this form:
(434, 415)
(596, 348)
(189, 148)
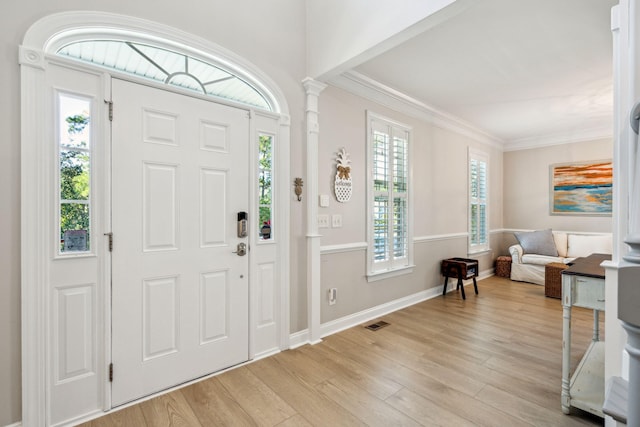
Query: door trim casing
(35, 54)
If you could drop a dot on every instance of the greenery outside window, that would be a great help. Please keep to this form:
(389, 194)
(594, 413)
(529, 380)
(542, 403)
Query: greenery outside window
(389, 207)
(74, 145)
(265, 186)
(478, 201)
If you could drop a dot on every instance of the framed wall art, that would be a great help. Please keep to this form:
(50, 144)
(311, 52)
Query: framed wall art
(584, 188)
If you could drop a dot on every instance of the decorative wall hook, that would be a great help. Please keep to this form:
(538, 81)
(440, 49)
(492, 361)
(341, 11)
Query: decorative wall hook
(298, 183)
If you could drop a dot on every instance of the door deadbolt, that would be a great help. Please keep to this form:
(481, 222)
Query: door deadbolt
(242, 249)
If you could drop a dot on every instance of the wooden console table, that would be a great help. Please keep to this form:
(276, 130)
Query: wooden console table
(583, 286)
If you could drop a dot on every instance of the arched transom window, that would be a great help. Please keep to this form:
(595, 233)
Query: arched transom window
(166, 66)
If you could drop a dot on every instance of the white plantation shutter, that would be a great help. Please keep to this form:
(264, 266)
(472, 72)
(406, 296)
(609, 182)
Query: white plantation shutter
(400, 184)
(478, 200)
(381, 184)
(389, 231)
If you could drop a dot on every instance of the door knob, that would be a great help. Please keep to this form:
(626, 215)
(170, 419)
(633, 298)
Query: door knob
(242, 249)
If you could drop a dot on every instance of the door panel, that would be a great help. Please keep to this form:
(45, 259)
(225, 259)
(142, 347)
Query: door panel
(180, 294)
(72, 301)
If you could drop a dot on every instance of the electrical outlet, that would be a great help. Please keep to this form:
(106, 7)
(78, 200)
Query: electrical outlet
(336, 221)
(333, 295)
(323, 221)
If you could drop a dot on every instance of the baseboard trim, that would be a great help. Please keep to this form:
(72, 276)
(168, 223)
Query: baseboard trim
(298, 339)
(301, 338)
(266, 353)
(18, 424)
(367, 315)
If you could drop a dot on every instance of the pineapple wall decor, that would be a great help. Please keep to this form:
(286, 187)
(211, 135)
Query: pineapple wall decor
(343, 183)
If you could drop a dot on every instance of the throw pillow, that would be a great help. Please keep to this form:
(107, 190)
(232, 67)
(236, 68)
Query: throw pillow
(538, 242)
(585, 245)
(561, 243)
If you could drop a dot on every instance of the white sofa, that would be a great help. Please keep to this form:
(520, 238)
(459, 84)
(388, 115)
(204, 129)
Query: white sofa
(529, 267)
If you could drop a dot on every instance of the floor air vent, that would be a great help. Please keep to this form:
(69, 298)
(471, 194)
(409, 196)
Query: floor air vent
(378, 325)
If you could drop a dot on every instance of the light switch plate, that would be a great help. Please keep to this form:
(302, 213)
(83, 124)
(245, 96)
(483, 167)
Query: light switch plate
(324, 200)
(323, 221)
(336, 221)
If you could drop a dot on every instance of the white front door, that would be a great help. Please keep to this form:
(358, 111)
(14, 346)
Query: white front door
(180, 293)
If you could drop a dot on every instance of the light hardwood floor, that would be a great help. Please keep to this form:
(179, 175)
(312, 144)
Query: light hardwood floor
(494, 359)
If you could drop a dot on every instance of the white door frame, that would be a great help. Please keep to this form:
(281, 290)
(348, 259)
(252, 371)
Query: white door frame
(37, 163)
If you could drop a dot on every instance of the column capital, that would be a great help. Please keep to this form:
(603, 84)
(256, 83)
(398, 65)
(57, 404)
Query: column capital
(313, 87)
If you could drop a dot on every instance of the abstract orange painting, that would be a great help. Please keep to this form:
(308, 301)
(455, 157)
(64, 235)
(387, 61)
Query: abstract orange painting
(582, 188)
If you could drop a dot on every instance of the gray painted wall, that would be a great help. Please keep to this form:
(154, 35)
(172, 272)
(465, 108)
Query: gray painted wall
(526, 186)
(439, 200)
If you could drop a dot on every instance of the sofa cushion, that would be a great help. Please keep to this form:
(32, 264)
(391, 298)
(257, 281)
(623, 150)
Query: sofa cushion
(540, 259)
(561, 243)
(538, 242)
(581, 245)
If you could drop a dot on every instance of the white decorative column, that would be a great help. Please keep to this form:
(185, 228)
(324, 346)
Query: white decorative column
(633, 238)
(629, 315)
(627, 94)
(34, 175)
(313, 89)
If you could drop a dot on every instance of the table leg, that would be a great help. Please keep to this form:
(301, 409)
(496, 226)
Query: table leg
(475, 285)
(446, 281)
(566, 357)
(461, 286)
(596, 325)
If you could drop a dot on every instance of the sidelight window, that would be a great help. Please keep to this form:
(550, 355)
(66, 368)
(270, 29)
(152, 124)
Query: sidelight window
(74, 159)
(265, 186)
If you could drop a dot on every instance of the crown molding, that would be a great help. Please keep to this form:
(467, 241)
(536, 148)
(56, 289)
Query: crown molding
(560, 138)
(368, 88)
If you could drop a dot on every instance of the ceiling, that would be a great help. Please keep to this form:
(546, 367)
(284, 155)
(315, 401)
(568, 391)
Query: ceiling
(524, 71)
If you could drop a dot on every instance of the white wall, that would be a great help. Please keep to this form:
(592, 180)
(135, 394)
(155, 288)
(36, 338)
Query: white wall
(526, 186)
(343, 34)
(272, 37)
(440, 203)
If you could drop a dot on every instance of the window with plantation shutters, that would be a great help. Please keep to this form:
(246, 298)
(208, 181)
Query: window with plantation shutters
(478, 201)
(389, 225)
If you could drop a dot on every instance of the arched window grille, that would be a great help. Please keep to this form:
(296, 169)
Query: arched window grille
(168, 67)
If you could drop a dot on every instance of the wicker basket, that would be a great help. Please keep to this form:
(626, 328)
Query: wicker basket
(553, 279)
(503, 266)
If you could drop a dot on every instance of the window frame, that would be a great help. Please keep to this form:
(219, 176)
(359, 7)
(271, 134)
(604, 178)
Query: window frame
(474, 248)
(91, 152)
(392, 266)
